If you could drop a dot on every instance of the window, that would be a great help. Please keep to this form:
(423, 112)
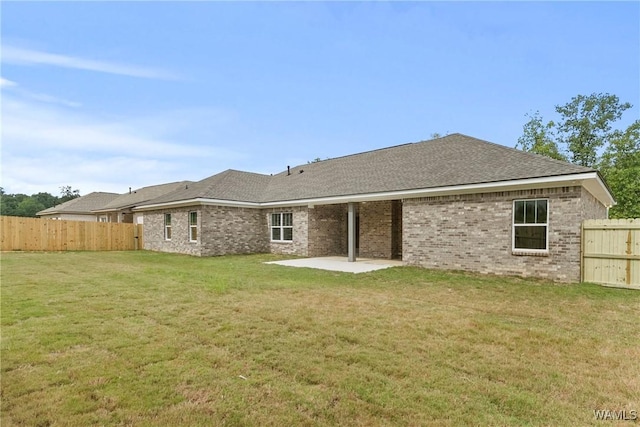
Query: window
(530, 225)
(281, 227)
(167, 226)
(193, 226)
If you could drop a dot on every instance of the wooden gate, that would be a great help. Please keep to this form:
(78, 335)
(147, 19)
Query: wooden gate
(611, 252)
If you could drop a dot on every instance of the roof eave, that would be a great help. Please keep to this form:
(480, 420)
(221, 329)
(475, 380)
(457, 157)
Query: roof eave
(591, 181)
(196, 202)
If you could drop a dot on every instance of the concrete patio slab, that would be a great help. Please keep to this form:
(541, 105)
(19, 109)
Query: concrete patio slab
(336, 263)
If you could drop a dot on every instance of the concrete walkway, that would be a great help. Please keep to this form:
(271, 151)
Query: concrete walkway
(336, 263)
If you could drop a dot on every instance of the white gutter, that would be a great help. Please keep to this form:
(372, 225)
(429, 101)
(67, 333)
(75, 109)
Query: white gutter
(199, 201)
(593, 184)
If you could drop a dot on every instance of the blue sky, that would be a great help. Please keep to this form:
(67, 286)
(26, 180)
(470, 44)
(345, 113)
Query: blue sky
(111, 95)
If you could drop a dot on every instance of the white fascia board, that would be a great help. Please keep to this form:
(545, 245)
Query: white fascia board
(590, 180)
(196, 202)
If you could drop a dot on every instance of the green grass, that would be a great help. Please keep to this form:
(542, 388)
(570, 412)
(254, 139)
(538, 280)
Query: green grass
(149, 339)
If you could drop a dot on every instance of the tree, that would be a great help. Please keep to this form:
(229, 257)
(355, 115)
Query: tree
(585, 132)
(23, 205)
(9, 203)
(67, 194)
(538, 138)
(29, 207)
(620, 167)
(46, 199)
(585, 125)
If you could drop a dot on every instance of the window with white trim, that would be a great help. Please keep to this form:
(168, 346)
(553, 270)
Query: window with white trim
(167, 226)
(282, 227)
(193, 226)
(531, 225)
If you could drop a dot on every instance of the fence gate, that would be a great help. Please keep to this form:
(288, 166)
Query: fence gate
(611, 252)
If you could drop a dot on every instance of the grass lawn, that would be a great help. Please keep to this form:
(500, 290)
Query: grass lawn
(149, 339)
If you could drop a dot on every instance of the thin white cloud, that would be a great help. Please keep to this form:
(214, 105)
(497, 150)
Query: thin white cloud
(20, 56)
(26, 125)
(4, 83)
(45, 146)
(35, 96)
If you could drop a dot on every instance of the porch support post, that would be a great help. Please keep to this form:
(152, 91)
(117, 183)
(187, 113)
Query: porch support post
(351, 231)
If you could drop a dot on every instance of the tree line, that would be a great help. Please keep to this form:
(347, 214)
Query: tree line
(585, 134)
(23, 205)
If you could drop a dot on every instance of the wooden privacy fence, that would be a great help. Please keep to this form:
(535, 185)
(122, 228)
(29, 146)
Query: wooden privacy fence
(36, 234)
(611, 252)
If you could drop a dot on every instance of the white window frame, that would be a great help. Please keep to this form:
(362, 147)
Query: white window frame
(167, 227)
(514, 226)
(193, 227)
(281, 227)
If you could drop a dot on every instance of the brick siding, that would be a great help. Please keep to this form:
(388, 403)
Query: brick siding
(221, 230)
(300, 243)
(154, 232)
(328, 230)
(375, 229)
(473, 232)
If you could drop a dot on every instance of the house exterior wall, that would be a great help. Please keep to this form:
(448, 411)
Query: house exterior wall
(376, 222)
(230, 230)
(138, 218)
(591, 207)
(154, 232)
(300, 243)
(327, 230)
(221, 230)
(474, 233)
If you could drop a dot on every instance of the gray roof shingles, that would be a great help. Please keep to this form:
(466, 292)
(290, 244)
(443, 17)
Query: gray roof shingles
(141, 195)
(82, 205)
(448, 161)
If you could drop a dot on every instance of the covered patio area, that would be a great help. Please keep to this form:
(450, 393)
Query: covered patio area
(341, 263)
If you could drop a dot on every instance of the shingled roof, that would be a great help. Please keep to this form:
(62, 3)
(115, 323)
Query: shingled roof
(453, 160)
(81, 205)
(140, 195)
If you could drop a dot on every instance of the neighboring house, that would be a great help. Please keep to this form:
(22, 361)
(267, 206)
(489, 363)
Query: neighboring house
(455, 202)
(120, 208)
(80, 208)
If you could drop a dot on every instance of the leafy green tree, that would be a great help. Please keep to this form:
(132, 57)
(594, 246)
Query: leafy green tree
(585, 135)
(9, 203)
(23, 205)
(46, 199)
(29, 207)
(538, 137)
(586, 125)
(620, 167)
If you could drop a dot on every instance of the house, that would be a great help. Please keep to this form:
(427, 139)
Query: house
(455, 203)
(80, 208)
(120, 208)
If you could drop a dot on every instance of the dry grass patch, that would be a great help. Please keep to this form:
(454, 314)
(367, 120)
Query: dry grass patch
(143, 338)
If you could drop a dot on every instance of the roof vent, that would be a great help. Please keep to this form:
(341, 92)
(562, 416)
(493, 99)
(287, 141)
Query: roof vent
(288, 170)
